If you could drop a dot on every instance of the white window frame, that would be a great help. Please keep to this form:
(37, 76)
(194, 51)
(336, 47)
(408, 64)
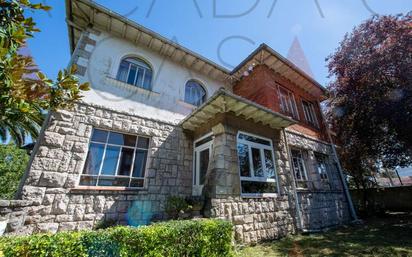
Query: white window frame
(196, 187)
(290, 102)
(105, 144)
(326, 163)
(261, 148)
(136, 77)
(303, 162)
(310, 114)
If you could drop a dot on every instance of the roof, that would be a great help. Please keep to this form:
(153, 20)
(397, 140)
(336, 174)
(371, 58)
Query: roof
(82, 14)
(223, 102)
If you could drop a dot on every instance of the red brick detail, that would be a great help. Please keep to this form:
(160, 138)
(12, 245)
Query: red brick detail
(260, 86)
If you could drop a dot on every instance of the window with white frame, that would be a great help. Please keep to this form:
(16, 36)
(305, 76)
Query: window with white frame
(287, 102)
(299, 168)
(195, 94)
(135, 72)
(256, 164)
(309, 112)
(322, 166)
(115, 159)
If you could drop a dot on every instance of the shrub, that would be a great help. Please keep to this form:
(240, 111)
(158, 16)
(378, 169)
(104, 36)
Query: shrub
(176, 205)
(173, 238)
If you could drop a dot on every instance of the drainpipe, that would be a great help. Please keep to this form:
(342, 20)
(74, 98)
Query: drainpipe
(342, 177)
(299, 222)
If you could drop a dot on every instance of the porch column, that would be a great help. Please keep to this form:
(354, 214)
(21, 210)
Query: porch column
(223, 178)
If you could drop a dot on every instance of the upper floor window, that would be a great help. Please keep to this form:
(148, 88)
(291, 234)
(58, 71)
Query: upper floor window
(299, 168)
(135, 72)
(287, 102)
(115, 159)
(309, 112)
(256, 164)
(195, 94)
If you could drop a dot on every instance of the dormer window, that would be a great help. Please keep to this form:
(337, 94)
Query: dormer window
(287, 103)
(195, 93)
(309, 112)
(135, 72)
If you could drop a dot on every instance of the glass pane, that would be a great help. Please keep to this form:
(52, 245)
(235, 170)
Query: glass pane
(139, 163)
(122, 139)
(126, 161)
(296, 168)
(136, 183)
(243, 154)
(132, 75)
(302, 169)
(147, 79)
(257, 162)
(143, 142)
(253, 187)
(203, 164)
(88, 180)
(110, 160)
(194, 172)
(205, 140)
(139, 79)
(270, 166)
(254, 139)
(94, 159)
(123, 69)
(113, 181)
(99, 135)
(194, 93)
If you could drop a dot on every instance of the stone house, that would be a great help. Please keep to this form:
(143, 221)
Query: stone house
(163, 121)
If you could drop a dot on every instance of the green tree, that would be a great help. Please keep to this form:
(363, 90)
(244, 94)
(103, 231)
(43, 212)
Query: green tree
(13, 162)
(371, 96)
(25, 92)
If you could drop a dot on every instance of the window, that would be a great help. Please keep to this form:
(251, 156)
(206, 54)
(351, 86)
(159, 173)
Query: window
(195, 94)
(135, 72)
(287, 102)
(321, 166)
(115, 159)
(299, 169)
(202, 155)
(256, 164)
(309, 112)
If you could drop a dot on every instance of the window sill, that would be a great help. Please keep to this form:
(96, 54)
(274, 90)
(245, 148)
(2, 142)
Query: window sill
(132, 190)
(187, 105)
(126, 86)
(254, 196)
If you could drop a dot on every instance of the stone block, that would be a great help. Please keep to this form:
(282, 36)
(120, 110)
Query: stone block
(60, 204)
(33, 193)
(53, 139)
(52, 179)
(67, 226)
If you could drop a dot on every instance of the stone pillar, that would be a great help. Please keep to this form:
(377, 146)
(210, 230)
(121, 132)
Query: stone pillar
(223, 175)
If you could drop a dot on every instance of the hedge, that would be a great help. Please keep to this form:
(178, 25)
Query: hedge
(205, 237)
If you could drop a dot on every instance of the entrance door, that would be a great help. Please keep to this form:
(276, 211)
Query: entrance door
(202, 155)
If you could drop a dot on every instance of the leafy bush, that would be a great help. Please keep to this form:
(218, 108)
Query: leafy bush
(13, 162)
(176, 205)
(173, 238)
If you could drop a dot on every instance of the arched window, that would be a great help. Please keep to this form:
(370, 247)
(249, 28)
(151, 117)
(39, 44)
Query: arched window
(135, 72)
(194, 93)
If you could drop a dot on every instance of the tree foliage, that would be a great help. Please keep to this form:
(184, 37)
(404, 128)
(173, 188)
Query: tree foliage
(371, 95)
(13, 162)
(25, 92)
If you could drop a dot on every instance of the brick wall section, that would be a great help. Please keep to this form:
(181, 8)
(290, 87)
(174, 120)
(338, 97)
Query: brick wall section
(50, 200)
(260, 86)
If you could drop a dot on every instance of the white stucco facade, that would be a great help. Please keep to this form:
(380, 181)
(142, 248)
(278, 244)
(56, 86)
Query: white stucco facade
(165, 101)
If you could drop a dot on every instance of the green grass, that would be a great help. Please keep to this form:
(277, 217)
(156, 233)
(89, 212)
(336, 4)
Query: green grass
(385, 236)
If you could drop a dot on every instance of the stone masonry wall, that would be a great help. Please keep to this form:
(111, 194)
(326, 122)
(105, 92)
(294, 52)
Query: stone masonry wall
(50, 199)
(322, 204)
(255, 219)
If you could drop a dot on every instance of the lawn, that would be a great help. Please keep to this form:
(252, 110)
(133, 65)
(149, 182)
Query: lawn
(390, 235)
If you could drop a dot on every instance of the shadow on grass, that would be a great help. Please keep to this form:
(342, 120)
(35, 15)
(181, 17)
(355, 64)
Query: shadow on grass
(385, 236)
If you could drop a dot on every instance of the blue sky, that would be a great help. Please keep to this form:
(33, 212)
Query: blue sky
(225, 31)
